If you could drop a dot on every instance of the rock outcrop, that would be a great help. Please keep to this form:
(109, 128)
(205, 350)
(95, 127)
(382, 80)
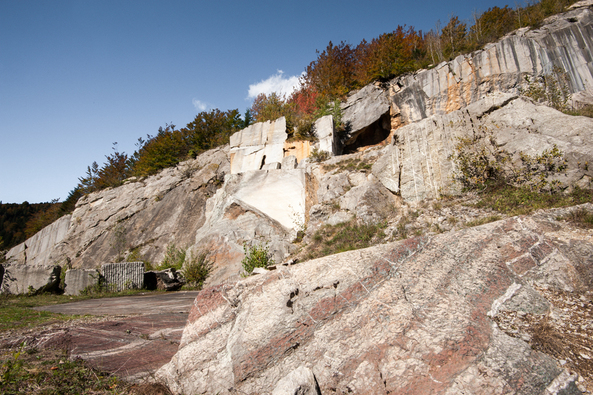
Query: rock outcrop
(424, 315)
(366, 117)
(265, 145)
(28, 279)
(417, 165)
(37, 249)
(564, 41)
(258, 145)
(79, 280)
(145, 215)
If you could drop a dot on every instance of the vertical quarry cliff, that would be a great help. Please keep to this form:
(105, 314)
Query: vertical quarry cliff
(264, 188)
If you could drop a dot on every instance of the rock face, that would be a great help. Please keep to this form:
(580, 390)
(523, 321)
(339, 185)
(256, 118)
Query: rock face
(366, 116)
(258, 145)
(264, 189)
(37, 249)
(146, 215)
(299, 382)
(264, 145)
(564, 41)
(23, 279)
(417, 164)
(417, 316)
(265, 206)
(324, 130)
(77, 280)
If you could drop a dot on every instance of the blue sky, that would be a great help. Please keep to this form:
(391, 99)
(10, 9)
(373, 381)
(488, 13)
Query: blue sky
(77, 76)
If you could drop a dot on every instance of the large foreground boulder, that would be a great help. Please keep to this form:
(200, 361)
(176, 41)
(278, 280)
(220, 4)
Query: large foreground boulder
(486, 310)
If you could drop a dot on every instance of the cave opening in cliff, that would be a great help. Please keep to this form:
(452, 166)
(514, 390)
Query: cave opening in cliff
(374, 134)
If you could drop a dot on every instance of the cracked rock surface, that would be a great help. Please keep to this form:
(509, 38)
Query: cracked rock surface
(430, 314)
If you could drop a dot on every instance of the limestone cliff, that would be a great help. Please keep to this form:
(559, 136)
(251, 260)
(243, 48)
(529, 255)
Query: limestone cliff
(417, 164)
(263, 188)
(564, 41)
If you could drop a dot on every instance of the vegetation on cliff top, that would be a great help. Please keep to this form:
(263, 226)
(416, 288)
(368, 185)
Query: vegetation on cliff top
(337, 70)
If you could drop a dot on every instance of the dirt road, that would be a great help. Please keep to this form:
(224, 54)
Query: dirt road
(137, 336)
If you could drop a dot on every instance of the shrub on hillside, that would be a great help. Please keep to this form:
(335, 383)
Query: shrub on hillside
(173, 259)
(256, 256)
(480, 161)
(197, 268)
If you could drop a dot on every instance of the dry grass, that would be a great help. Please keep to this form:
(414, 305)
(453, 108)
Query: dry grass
(565, 332)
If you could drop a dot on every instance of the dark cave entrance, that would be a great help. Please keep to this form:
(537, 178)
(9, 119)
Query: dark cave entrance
(374, 134)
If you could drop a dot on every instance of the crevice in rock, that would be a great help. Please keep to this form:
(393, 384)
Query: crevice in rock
(263, 162)
(495, 107)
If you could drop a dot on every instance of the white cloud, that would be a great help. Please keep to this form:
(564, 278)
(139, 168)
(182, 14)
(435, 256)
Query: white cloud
(199, 105)
(275, 83)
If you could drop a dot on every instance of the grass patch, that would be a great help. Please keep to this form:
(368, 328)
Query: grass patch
(581, 217)
(511, 200)
(349, 165)
(482, 221)
(16, 311)
(30, 371)
(345, 237)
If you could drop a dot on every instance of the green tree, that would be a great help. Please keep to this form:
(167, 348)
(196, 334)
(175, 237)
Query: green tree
(247, 119)
(159, 152)
(210, 129)
(453, 38)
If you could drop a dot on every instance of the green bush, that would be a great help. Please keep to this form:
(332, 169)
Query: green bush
(305, 130)
(197, 268)
(581, 217)
(550, 89)
(174, 258)
(318, 156)
(256, 256)
(481, 162)
(29, 370)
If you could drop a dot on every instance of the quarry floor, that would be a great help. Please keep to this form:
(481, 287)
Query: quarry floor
(130, 337)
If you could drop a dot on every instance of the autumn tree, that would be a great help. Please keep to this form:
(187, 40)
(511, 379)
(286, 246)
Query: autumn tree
(389, 55)
(304, 101)
(332, 73)
(268, 107)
